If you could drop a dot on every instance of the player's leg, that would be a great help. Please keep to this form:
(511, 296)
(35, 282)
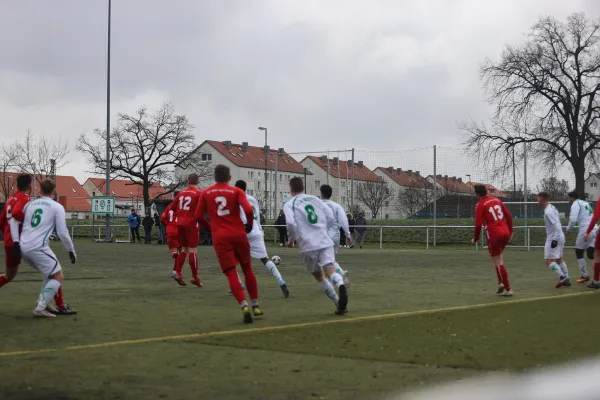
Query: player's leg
(62, 308)
(46, 262)
(561, 262)
(311, 261)
(181, 257)
(193, 241)
(11, 266)
(326, 261)
(228, 261)
(580, 256)
(258, 251)
(338, 268)
(595, 284)
(241, 248)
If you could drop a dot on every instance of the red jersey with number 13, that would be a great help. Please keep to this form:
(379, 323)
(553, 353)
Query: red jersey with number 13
(494, 215)
(222, 204)
(184, 205)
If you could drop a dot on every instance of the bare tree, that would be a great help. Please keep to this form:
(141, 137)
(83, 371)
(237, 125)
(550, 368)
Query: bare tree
(558, 189)
(41, 157)
(374, 195)
(412, 198)
(545, 95)
(8, 163)
(145, 149)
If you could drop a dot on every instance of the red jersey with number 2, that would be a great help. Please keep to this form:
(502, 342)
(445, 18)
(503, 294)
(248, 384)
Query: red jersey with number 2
(222, 204)
(184, 205)
(494, 215)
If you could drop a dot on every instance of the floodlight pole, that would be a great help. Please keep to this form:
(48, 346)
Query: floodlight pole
(108, 233)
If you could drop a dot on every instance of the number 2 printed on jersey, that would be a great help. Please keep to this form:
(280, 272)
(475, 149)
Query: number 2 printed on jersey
(222, 203)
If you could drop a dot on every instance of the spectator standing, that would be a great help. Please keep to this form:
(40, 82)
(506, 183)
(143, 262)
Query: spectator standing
(361, 229)
(281, 228)
(158, 228)
(134, 226)
(148, 223)
(263, 220)
(352, 222)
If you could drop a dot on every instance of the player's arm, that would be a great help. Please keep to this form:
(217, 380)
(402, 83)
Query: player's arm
(200, 212)
(328, 214)
(63, 232)
(595, 218)
(290, 222)
(246, 208)
(508, 218)
(573, 216)
(554, 220)
(343, 219)
(164, 218)
(478, 222)
(18, 210)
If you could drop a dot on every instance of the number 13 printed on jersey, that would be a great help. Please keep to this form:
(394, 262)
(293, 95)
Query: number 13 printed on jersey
(496, 212)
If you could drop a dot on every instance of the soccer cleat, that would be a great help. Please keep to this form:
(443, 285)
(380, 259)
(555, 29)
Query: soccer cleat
(563, 282)
(247, 315)
(51, 309)
(257, 311)
(197, 282)
(284, 289)
(507, 293)
(343, 301)
(594, 285)
(500, 290)
(41, 312)
(65, 310)
(178, 278)
(583, 279)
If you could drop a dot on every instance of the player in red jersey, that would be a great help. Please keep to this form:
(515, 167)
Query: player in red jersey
(170, 222)
(595, 284)
(222, 203)
(188, 229)
(10, 222)
(491, 213)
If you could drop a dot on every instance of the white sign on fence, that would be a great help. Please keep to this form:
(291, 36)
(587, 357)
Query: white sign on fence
(103, 205)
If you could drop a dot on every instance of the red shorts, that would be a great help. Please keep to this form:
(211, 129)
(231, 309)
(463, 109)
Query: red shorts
(173, 240)
(188, 236)
(497, 243)
(232, 251)
(11, 261)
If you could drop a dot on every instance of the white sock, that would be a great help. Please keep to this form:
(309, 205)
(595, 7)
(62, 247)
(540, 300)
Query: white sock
(48, 291)
(336, 279)
(272, 268)
(329, 291)
(338, 268)
(582, 267)
(254, 302)
(564, 269)
(554, 267)
(244, 303)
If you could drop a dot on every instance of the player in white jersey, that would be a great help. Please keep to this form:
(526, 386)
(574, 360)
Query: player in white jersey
(308, 220)
(581, 215)
(42, 217)
(555, 240)
(340, 222)
(256, 237)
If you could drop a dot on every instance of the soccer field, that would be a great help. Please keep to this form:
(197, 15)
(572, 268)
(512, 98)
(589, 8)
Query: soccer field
(416, 318)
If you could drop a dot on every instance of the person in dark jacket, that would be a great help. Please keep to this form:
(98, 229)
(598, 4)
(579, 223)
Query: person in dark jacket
(159, 228)
(148, 223)
(351, 222)
(282, 229)
(361, 229)
(134, 226)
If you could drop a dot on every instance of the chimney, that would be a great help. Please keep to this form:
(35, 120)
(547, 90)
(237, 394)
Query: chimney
(439, 176)
(360, 164)
(391, 169)
(445, 177)
(336, 161)
(227, 144)
(245, 147)
(453, 178)
(399, 170)
(323, 159)
(350, 163)
(281, 151)
(418, 173)
(409, 172)
(460, 180)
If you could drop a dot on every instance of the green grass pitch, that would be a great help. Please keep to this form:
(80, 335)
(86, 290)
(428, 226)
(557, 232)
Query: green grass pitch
(140, 336)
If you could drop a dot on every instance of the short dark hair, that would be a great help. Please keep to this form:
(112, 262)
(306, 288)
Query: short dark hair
(47, 186)
(222, 173)
(23, 182)
(574, 195)
(480, 190)
(544, 195)
(193, 178)
(297, 184)
(241, 184)
(326, 191)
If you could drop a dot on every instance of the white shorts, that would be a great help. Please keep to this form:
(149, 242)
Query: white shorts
(258, 250)
(554, 253)
(316, 259)
(582, 244)
(43, 260)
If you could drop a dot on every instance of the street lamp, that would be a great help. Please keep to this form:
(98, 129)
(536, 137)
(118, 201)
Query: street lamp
(469, 177)
(107, 182)
(260, 128)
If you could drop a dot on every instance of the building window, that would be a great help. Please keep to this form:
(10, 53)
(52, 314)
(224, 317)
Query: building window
(259, 174)
(258, 185)
(317, 184)
(387, 204)
(343, 183)
(343, 200)
(206, 157)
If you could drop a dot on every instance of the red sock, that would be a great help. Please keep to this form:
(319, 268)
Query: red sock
(194, 265)
(179, 263)
(504, 275)
(235, 285)
(596, 272)
(498, 275)
(251, 283)
(175, 256)
(58, 298)
(3, 280)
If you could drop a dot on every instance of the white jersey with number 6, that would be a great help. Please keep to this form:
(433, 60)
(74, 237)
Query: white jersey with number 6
(42, 216)
(308, 220)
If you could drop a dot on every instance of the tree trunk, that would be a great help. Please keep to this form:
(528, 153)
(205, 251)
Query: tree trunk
(579, 170)
(146, 192)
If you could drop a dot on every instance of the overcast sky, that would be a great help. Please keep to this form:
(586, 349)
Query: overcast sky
(319, 74)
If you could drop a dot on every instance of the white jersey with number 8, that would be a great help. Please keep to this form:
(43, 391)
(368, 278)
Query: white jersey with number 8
(308, 220)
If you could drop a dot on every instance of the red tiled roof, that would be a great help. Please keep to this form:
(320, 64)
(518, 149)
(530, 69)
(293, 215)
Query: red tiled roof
(453, 184)
(255, 157)
(492, 190)
(128, 188)
(342, 170)
(75, 204)
(404, 178)
(65, 185)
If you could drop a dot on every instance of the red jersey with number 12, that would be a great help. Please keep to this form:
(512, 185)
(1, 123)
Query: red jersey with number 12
(14, 208)
(493, 214)
(222, 204)
(184, 205)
